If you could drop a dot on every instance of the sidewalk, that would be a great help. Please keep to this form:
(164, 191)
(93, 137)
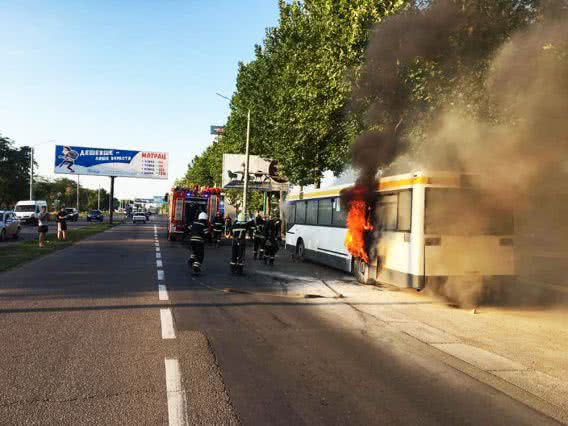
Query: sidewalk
(526, 348)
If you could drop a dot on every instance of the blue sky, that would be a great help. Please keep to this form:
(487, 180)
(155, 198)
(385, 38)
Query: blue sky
(125, 74)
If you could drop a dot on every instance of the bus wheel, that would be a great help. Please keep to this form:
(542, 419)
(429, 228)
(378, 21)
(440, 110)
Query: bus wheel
(300, 251)
(361, 271)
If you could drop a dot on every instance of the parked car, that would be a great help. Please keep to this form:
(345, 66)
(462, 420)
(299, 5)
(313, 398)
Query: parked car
(9, 225)
(95, 215)
(139, 217)
(72, 214)
(27, 211)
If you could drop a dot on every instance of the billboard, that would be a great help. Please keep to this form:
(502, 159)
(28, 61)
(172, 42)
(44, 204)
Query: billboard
(79, 160)
(263, 174)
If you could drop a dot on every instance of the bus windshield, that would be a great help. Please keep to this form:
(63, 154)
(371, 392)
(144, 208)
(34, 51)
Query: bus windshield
(457, 211)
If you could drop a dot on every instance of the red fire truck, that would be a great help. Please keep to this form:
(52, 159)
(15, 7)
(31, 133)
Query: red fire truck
(185, 206)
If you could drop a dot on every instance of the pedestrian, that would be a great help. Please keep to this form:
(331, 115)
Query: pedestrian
(198, 232)
(259, 238)
(239, 232)
(42, 220)
(271, 235)
(61, 219)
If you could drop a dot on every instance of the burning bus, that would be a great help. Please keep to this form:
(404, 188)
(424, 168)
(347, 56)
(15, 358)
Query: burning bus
(409, 230)
(186, 204)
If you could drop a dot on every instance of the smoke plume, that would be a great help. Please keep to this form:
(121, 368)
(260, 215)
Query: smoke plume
(500, 114)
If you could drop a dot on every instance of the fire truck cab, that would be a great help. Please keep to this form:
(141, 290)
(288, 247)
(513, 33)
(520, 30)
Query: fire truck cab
(186, 204)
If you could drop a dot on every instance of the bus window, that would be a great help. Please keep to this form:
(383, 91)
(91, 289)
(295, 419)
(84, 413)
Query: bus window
(324, 212)
(301, 212)
(386, 212)
(291, 219)
(339, 214)
(455, 211)
(404, 211)
(312, 214)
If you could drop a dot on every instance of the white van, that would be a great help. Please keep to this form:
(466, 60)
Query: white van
(28, 211)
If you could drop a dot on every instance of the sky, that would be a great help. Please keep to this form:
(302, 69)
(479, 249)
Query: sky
(126, 74)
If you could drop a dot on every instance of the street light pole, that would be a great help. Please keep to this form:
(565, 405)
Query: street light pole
(245, 186)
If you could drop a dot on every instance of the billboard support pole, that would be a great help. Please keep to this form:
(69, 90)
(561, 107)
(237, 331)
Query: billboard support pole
(245, 186)
(111, 200)
(31, 173)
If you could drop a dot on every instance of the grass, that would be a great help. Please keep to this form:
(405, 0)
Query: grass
(24, 251)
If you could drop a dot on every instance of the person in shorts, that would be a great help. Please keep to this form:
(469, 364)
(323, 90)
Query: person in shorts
(42, 225)
(62, 224)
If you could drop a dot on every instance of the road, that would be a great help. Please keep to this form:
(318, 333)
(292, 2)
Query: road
(114, 330)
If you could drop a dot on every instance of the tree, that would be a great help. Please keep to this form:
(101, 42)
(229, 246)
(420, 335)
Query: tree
(14, 172)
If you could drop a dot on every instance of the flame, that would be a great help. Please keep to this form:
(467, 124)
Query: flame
(357, 225)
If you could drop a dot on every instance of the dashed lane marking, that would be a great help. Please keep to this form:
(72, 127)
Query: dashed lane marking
(159, 263)
(177, 407)
(158, 255)
(160, 275)
(163, 292)
(157, 249)
(168, 330)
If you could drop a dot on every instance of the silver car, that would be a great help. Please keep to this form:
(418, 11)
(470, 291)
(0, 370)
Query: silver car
(9, 225)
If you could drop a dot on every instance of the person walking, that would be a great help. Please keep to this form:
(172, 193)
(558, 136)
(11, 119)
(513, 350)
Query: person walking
(42, 227)
(271, 235)
(218, 227)
(197, 232)
(61, 219)
(258, 238)
(239, 232)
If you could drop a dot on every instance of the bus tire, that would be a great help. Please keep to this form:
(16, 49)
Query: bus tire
(360, 271)
(300, 250)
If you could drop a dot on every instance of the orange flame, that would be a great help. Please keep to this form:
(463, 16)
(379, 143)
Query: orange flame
(357, 224)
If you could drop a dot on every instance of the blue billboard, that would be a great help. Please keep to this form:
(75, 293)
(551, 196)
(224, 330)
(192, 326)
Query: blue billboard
(79, 160)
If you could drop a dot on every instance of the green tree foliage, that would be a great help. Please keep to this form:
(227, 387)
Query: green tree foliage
(298, 89)
(63, 192)
(14, 173)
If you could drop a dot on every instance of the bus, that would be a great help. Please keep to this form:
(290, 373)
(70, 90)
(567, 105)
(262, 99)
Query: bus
(432, 227)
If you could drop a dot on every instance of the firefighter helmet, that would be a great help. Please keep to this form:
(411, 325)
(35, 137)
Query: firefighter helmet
(202, 216)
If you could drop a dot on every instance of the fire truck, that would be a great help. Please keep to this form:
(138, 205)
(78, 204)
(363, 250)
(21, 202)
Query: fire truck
(185, 206)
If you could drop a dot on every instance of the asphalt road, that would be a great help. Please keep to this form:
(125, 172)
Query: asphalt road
(114, 330)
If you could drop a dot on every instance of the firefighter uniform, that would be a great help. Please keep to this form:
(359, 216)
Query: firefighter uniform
(198, 231)
(271, 235)
(218, 227)
(239, 231)
(259, 238)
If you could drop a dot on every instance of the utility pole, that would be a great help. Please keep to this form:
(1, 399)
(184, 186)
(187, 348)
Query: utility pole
(245, 186)
(31, 173)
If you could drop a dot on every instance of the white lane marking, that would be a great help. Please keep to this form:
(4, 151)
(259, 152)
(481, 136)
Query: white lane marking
(177, 408)
(157, 249)
(159, 264)
(158, 255)
(168, 330)
(160, 275)
(155, 228)
(157, 244)
(163, 292)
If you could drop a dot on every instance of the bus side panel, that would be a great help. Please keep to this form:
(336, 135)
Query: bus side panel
(481, 255)
(396, 260)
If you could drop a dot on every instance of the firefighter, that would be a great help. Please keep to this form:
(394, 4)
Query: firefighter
(251, 227)
(239, 232)
(198, 232)
(228, 226)
(259, 238)
(218, 228)
(271, 239)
